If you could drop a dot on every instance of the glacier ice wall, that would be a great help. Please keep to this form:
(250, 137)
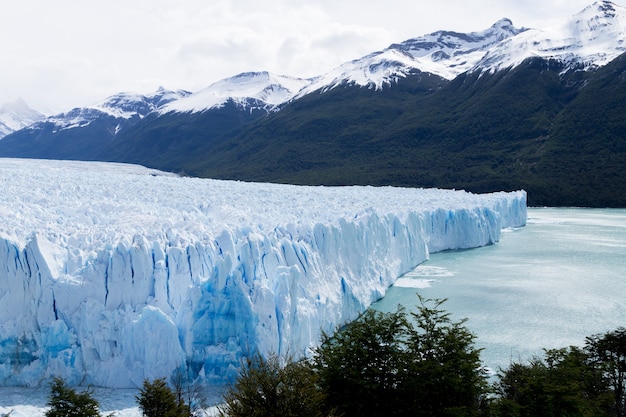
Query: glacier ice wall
(111, 273)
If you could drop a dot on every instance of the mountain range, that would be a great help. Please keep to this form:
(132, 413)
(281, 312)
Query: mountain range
(501, 109)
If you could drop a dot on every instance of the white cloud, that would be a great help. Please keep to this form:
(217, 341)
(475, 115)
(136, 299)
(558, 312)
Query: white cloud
(66, 53)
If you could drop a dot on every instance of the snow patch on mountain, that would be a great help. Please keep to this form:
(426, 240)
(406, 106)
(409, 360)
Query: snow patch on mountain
(113, 273)
(249, 91)
(17, 115)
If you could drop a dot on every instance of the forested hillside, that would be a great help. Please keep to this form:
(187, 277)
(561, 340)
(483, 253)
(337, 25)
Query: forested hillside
(560, 136)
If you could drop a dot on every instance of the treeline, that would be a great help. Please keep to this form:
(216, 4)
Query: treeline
(155, 399)
(420, 363)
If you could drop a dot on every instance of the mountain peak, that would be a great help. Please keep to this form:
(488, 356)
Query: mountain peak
(123, 106)
(260, 89)
(589, 39)
(254, 75)
(503, 23)
(126, 105)
(503, 29)
(607, 7)
(598, 16)
(16, 115)
(16, 105)
(459, 42)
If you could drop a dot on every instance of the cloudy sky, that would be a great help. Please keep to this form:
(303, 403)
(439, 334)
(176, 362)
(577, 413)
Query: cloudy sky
(61, 54)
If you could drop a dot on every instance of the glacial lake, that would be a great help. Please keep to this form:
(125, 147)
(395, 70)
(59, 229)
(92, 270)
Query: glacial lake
(550, 284)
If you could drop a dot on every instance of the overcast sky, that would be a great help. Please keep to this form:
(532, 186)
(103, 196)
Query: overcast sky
(61, 54)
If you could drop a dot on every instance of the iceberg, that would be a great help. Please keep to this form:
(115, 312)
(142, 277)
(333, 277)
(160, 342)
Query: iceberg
(114, 273)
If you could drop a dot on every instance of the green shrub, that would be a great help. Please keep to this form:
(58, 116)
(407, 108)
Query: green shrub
(66, 402)
(156, 399)
(265, 388)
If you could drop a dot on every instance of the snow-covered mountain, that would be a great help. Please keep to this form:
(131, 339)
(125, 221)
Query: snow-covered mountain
(17, 115)
(122, 107)
(115, 273)
(443, 53)
(589, 39)
(249, 91)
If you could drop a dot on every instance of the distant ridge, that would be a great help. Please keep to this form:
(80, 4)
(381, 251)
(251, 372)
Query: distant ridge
(16, 115)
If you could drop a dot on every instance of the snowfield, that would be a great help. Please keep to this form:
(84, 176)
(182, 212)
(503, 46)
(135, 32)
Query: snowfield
(113, 273)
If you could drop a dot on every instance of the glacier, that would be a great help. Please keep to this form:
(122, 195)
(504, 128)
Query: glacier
(114, 273)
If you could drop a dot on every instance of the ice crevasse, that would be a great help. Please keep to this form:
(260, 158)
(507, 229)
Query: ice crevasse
(112, 273)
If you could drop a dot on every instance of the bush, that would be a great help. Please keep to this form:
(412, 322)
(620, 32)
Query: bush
(65, 402)
(156, 399)
(564, 383)
(265, 388)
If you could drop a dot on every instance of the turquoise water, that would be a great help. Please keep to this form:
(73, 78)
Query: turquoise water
(547, 285)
